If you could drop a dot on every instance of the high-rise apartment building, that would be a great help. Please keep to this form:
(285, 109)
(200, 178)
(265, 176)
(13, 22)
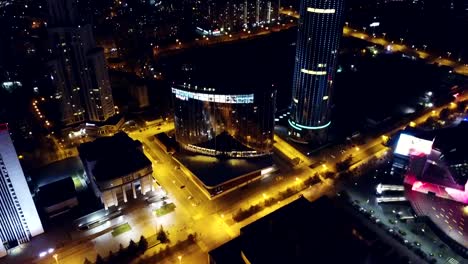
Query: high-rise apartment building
(319, 32)
(214, 17)
(19, 220)
(78, 68)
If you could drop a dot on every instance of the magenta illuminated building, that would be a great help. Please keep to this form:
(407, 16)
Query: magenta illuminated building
(438, 162)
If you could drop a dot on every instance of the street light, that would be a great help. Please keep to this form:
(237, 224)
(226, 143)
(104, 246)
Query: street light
(180, 258)
(56, 258)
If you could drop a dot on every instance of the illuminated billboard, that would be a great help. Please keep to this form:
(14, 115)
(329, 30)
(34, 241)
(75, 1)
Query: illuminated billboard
(216, 98)
(410, 145)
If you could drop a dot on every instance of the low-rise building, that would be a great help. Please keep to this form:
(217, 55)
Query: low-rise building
(58, 197)
(114, 166)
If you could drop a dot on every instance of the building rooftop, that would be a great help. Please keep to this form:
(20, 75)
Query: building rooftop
(304, 232)
(213, 171)
(57, 192)
(59, 170)
(115, 156)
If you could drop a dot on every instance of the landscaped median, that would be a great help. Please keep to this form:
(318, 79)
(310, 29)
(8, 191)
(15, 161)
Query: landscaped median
(243, 214)
(165, 209)
(121, 229)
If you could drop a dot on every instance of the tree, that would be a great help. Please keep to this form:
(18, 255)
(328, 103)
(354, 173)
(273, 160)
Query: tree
(162, 235)
(132, 248)
(444, 113)
(122, 253)
(462, 106)
(344, 165)
(191, 237)
(142, 244)
(112, 257)
(99, 259)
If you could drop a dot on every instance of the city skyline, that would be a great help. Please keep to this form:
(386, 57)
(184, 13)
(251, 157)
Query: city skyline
(210, 132)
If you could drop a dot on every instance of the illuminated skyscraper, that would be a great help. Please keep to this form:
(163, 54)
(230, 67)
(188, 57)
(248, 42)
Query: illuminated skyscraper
(19, 220)
(78, 68)
(319, 32)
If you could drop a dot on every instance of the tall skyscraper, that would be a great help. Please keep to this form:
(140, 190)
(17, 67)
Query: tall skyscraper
(319, 32)
(78, 68)
(19, 220)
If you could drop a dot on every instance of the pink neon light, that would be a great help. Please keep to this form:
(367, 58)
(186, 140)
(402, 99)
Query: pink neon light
(3, 126)
(457, 195)
(417, 185)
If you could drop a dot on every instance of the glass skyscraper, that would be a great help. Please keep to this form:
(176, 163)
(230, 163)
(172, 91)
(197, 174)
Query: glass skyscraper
(215, 122)
(319, 32)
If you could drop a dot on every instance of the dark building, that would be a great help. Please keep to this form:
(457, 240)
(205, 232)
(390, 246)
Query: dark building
(302, 232)
(213, 17)
(114, 166)
(78, 67)
(215, 122)
(319, 32)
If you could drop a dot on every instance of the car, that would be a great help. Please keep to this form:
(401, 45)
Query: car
(182, 187)
(190, 197)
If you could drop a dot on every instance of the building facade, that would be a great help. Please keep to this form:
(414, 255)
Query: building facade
(216, 123)
(319, 33)
(78, 68)
(19, 220)
(115, 166)
(217, 16)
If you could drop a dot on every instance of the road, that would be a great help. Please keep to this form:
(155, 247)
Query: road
(226, 38)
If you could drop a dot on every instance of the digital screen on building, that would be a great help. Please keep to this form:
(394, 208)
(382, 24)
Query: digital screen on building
(410, 145)
(216, 98)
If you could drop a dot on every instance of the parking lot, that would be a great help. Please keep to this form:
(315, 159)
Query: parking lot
(396, 218)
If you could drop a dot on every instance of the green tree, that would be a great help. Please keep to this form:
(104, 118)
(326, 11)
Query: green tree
(99, 259)
(112, 257)
(132, 248)
(142, 244)
(343, 165)
(462, 106)
(444, 114)
(162, 235)
(122, 253)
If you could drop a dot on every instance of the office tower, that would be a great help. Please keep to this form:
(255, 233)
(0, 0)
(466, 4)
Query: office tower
(319, 32)
(78, 67)
(215, 122)
(19, 220)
